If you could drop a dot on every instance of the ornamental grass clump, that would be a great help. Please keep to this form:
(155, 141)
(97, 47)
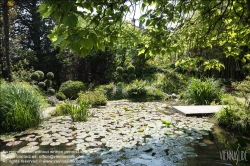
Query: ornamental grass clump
(79, 112)
(20, 106)
(203, 92)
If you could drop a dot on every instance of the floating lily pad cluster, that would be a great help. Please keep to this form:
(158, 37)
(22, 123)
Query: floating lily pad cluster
(139, 134)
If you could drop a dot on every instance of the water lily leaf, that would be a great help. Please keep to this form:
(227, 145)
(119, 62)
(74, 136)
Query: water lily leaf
(13, 143)
(28, 149)
(54, 143)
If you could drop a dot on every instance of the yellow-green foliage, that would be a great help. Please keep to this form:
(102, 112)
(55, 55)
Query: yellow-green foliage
(62, 109)
(94, 98)
(20, 105)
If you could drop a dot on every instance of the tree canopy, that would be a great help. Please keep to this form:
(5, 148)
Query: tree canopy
(169, 25)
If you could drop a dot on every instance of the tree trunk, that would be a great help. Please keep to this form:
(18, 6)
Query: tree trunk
(5, 10)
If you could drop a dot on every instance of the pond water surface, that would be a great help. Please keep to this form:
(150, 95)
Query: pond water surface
(121, 133)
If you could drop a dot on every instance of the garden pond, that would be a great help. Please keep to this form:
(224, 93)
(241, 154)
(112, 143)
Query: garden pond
(121, 133)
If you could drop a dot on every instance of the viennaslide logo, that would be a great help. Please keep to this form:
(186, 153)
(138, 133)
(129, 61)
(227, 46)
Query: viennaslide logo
(235, 156)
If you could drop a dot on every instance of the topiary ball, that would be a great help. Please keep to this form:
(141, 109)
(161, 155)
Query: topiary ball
(35, 76)
(124, 75)
(71, 88)
(50, 75)
(51, 91)
(131, 69)
(41, 84)
(119, 70)
(119, 78)
(48, 83)
(41, 74)
(131, 77)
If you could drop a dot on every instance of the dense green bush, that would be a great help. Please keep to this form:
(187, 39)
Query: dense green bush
(94, 98)
(51, 91)
(137, 89)
(71, 88)
(20, 106)
(203, 92)
(169, 81)
(41, 84)
(62, 109)
(50, 75)
(35, 76)
(234, 118)
(60, 96)
(41, 74)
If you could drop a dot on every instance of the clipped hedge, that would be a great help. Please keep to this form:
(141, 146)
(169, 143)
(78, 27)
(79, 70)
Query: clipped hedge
(71, 88)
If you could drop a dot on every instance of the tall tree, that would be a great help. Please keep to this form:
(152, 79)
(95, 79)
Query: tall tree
(170, 24)
(5, 12)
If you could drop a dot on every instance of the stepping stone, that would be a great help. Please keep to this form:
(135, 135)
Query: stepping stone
(198, 109)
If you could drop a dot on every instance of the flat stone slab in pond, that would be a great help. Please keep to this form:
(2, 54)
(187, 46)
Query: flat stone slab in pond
(198, 109)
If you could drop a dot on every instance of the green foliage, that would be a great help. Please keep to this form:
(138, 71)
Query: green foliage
(41, 74)
(235, 117)
(243, 90)
(51, 91)
(131, 69)
(79, 112)
(60, 96)
(62, 109)
(71, 88)
(48, 82)
(119, 70)
(131, 77)
(50, 75)
(169, 81)
(201, 92)
(119, 78)
(35, 76)
(41, 84)
(94, 98)
(20, 106)
(137, 89)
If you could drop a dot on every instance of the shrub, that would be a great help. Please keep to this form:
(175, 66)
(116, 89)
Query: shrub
(131, 69)
(41, 74)
(41, 84)
(154, 93)
(79, 112)
(35, 76)
(48, 82)
(234, 118)
(51, 91)
(71, 88)
(94, 98)
(137, 89)
(50, 75)
(62, 109)
(20, 106)
(60, 96)
(119, 70)
(131, 77)
(203, 92)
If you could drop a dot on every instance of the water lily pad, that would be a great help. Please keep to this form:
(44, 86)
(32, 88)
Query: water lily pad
(13, 143)
(46, 142)
(54, 143)
(28, 149)
(77, 141)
